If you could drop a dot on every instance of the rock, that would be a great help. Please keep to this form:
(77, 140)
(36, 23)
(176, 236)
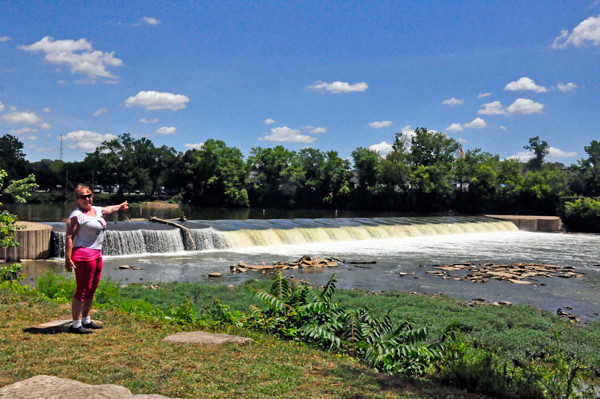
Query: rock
(520, 282)
(44, 386)
(215, 274)
(204, 338)
(231, 286)
(495, 304)
(137, 268)
(402, 274)
(124, 267)
(505, 303)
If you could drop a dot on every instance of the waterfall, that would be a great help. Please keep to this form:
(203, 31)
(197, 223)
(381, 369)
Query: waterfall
(223, 234)
(209, 239)
(302, 235)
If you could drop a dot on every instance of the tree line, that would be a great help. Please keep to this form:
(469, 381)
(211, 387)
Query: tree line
(426, 172)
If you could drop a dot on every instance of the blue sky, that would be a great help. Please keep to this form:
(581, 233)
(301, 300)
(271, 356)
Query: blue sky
(326, 74)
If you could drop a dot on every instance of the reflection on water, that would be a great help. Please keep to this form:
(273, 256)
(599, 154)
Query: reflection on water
(59, 213)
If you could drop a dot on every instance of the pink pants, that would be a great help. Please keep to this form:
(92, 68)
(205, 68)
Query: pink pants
(87, 275)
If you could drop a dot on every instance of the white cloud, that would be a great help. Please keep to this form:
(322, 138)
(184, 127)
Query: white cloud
(453, 101)
(268, 121)
(525, 84)
(86, 140)
(2, 106)
(493, 108)
(150, 21)
(45, 126)
(554, 153)
(78, 54)
(523, 106)
(110, 82)
(522, 156)
(339, 87)
(476, 123)
(100, 111)
(47, 109)
(165, 130)
(4, 39)
(41, 149)
(285, 134)
(567, 87)
(408, 132)
(455, 127)
(13, 108)
(382, 148)
(195, 146)
(144, 120)
(558, 153)
(85, 82)
(588, 29)
(16, 132)
(31, 137)
(153, 100)
(61, 82)
(481, 95)
(502, 127)
(21, 118)
(379, 125)
(48, 135)
(317, 130)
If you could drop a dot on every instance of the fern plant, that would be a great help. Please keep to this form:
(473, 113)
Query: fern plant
(297, 312)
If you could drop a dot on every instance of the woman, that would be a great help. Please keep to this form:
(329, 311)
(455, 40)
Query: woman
(83, 253)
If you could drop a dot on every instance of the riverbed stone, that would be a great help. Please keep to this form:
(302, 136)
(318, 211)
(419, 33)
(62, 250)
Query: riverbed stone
(204, 338)
(50, 387)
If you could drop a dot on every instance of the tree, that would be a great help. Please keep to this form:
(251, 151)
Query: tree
(275, 175)
(586, 174)
(219, 175)
(12, 158)
(394, 172)
(19, 190)
(432, 148)
(336, 180)
(432, 157)
(540, 149)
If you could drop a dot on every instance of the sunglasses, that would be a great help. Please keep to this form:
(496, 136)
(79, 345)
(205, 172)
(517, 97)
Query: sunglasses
(88, 196)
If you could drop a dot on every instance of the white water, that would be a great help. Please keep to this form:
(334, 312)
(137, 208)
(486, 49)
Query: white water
(246, 238)
(250, 234)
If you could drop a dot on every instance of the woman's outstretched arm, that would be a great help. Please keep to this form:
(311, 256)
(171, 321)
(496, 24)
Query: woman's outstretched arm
(107, 210)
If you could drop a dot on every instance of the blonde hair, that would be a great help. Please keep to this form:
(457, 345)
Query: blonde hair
(80, 189)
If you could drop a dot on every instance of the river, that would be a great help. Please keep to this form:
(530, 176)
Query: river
(394, 255)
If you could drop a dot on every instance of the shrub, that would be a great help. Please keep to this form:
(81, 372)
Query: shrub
(583, 214)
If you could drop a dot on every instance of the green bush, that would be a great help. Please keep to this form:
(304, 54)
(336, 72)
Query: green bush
(11, 272)
(61, 288)
(583, 214)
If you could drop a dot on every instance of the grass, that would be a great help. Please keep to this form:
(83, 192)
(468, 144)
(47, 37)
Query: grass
(519, 332)
(130, 352)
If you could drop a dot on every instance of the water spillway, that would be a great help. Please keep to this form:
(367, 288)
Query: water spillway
(133, 238)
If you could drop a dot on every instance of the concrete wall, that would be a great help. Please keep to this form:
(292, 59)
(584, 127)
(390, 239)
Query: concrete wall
(34, 243)
(533, 223)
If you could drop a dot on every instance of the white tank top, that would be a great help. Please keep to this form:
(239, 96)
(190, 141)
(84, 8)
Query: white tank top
(91, 229)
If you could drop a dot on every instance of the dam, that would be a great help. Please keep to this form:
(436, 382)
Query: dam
(136, 238)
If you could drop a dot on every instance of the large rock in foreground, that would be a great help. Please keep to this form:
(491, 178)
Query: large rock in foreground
(49, 387)
(204, 338)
